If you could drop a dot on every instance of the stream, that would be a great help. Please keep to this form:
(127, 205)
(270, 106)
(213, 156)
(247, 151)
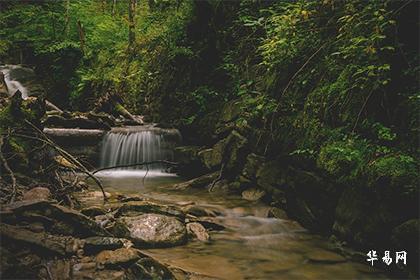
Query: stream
(251, 246)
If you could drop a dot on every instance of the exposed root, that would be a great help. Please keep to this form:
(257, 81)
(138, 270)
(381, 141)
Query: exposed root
(7, 167)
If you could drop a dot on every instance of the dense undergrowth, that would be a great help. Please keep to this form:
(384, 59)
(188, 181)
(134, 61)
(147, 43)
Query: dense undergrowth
(331, 85)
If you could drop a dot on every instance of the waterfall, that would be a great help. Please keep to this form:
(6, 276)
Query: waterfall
(124, 146)
(18, 77)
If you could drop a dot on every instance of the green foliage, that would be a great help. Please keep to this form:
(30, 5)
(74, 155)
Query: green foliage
(343, 159)
(397, 170)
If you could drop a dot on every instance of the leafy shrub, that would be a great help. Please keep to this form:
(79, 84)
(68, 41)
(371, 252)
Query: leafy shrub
(397, 170)
(343, 159)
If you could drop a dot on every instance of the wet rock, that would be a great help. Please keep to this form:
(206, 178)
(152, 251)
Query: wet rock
(154, 230)
(41, 242)
(406, 237)
(37, 193)
(277, 213)
(200, 211)
(104, 221)
(99, 243)
(252, 164)
(93, 211)
(207, 223)
(189, 163)
(199, 182)
(230, 150)
(196, 230)
(133, 208)
(131, 198)
(57, 269)
(357, 222)
(62, 220)
(253, 194)
(120, 229)
(212, 157)
(122, 256)
(148, 268)
(323, 256)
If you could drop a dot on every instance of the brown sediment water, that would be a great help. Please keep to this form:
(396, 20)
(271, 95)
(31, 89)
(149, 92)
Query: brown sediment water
(252, 246)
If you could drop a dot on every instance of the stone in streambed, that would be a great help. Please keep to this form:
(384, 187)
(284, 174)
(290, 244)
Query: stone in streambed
(98, 243)
(196, 230)
(148, 268)
(200, 211)
(154, 230)
(253, 194)
(58, 219)
(122, 256)
(133, 208)
(93, 211)
(323, 256)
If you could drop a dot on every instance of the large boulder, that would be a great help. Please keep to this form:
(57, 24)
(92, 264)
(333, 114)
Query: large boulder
(252, 164)
(231, 151)
(154, 230)
(41, 243)
(57, 218)
(134, 208)
(189, 163)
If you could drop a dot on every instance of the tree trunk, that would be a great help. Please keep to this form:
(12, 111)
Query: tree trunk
(81, 36)
(67, 19)
(131, 24)
(114, 4)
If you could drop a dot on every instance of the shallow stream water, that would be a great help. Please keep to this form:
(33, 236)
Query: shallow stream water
(251, 247)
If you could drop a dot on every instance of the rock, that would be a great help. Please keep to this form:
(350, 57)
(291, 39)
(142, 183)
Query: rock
(310, 199)
(199, 182)
(93, 211)
(207, 223)
(270, 176)
(122, 256)
(133, 208)
(40, 242)
(253, 194)
(189, 163)
(231, 111)
(231, 150)
(58, 219)
(406, 237)
(154, 230)
(200, 211)
(196, 230)
(212, 157)
(120, 229)
(148, 268)
(37, 193)
(323, 256)
(357, 222)
(131, 198)
(277, 213)
(252, 164)
(57, 269)
(98, 243)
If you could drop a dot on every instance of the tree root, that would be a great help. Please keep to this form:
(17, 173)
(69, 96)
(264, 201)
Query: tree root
(9, 170)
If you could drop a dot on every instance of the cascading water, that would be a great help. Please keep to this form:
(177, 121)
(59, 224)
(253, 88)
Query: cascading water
(125, 146)
(18, 77)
